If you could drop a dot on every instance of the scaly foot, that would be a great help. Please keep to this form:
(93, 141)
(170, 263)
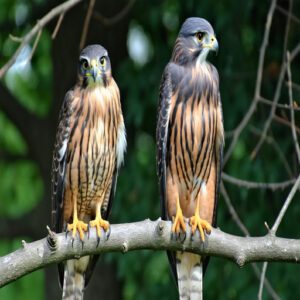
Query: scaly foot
(77, 225)
(197, 223)
(178, 225)
(100, 223)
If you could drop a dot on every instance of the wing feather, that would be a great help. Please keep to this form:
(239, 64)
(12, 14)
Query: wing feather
(165, 95)
(162, 135)
(59, 167)
(59, 162)
(219, 156)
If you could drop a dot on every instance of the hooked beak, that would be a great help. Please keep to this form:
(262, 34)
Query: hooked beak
(212, 44)
(94, 69)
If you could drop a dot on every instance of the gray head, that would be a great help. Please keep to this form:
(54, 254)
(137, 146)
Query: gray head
(196, 38)
(94, 66)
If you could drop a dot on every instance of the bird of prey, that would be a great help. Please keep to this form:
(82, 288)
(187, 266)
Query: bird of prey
(190, 140)
(89, 148)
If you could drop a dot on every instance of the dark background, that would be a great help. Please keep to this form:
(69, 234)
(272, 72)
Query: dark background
(31, 95)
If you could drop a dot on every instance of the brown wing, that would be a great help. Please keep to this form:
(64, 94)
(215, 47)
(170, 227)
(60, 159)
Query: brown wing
(58, 168)
(162, 144)
(59, 162)
(219, 155)
(162, 135)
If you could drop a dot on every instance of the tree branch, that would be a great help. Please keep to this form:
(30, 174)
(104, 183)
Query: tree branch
(86, 24)
(257, 185)
(115, 19)
(245, 231)
(58, 10)
(152, 235)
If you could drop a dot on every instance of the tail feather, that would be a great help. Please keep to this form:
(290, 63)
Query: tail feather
(74, 281)
(189, 273)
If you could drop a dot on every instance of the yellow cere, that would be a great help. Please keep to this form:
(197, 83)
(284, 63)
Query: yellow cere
(94, 63)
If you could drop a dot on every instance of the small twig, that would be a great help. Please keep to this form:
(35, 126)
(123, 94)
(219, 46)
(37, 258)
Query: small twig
(274, 229)
(245, 231)
(15, 38)
(233, 212)
(262, 280)
(294, 134)
(284, 106)
(270, 140)
(285, 205)
(295, 52)
(38, 36)
(252, 108)
(51, 239)
(269, 120)
(277, 91)
(267, 226)
(285, 122)
(272, 112)
(57, 26)
(86, 24)
(115, 19)
(296, 87)
(286, 13)
(257, 185)
(62, 8)
(267, 284)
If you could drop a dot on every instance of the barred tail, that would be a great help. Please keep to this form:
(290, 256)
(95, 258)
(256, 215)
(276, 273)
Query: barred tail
(189, 273)
(74, 278)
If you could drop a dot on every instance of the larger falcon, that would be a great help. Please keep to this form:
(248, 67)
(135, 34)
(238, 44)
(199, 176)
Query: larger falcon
(190, 140)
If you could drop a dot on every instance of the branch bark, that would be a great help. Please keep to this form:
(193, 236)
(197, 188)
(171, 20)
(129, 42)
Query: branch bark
(152, 235)
(60, 9)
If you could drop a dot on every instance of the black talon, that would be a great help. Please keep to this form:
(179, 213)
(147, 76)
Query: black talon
(98, 241)
(184, 236)
(73, 242)
(82, 242)
(107, 233)
(89, 231)
(192, 237)
(172, 235)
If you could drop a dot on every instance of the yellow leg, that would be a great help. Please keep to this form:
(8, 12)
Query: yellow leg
(77, 225)
(99, 223)
(178, 220)
(197, 222)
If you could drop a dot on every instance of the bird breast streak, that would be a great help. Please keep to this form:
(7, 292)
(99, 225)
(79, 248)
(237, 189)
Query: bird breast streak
(193, 124)
(92, 150)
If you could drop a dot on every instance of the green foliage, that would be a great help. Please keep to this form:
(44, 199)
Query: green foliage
(31, 83)
(11, 140)
(20, 188)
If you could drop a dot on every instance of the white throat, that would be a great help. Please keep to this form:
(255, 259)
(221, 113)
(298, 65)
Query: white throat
(202, 57)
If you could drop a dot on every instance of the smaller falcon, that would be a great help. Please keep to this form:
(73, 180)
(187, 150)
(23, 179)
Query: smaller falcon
(190, 140)
(89, 149)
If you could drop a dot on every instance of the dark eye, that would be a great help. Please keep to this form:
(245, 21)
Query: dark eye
(102, 61)
(84, 63)
(199, 36)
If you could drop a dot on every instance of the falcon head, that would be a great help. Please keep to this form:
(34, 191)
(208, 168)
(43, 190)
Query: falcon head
(195, 40)
(94, 66)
